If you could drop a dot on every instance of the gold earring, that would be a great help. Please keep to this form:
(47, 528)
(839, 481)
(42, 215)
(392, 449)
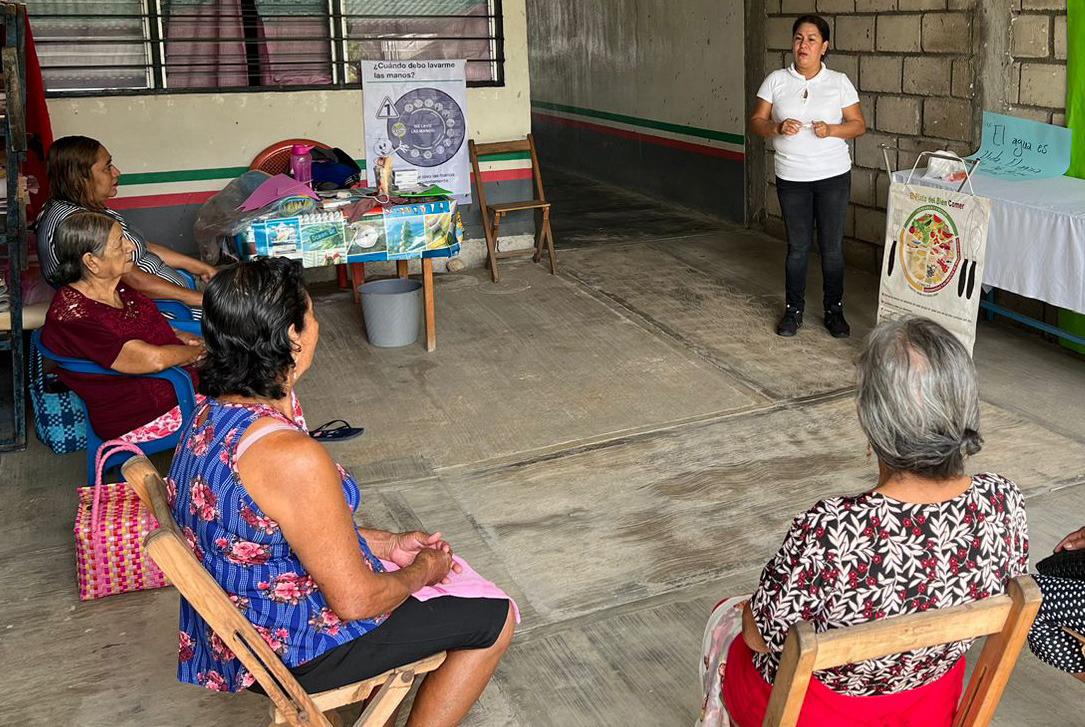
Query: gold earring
(869, 451)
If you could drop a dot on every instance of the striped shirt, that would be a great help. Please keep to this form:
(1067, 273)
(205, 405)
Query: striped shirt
(56, 211)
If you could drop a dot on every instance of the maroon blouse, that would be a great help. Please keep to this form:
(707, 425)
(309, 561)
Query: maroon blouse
(79, 327)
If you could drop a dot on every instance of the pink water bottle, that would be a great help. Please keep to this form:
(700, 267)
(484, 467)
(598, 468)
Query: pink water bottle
(301, 163)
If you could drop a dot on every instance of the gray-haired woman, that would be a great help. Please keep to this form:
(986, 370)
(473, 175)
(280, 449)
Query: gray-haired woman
(925, 536)
(95, 316)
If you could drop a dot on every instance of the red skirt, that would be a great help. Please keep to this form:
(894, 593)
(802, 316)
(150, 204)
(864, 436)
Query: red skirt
(746, 696)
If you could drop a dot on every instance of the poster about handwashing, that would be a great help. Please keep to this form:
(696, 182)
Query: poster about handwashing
(415, 113)
(1019, 149)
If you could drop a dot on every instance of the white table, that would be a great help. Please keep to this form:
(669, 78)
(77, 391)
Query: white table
(1036, 236)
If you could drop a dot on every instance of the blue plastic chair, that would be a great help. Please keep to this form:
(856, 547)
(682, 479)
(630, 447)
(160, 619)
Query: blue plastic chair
(179, 314)
(189, 278)
(182, 387)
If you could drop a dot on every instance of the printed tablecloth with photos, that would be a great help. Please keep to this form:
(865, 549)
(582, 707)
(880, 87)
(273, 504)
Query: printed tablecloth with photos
(393, 232)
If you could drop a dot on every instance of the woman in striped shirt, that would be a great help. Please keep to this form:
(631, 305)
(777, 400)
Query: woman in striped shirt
(81, 178)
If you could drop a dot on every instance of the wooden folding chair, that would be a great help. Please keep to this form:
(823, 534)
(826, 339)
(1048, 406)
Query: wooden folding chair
(291, 705)
(1081, 640)
(492, 213)
(1004, 620)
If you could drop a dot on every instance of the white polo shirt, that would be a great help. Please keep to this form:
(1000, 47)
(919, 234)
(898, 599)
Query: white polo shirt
(804, 157)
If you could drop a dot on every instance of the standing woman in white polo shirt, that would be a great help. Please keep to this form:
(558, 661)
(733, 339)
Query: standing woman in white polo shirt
(810, 112)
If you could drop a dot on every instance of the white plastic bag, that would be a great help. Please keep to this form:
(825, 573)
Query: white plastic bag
(948, 170)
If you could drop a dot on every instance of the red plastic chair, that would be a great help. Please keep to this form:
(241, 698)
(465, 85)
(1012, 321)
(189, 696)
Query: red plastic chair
(275, 159)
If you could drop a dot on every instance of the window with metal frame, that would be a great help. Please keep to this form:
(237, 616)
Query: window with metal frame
(106, 47)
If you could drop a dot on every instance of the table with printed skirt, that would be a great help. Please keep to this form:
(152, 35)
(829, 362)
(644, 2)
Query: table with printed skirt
(421, 230)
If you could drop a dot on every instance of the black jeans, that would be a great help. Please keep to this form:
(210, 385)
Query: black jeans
(824, 204)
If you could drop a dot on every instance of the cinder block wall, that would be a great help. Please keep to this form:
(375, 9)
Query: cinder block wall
(925, 71)
(1038, 73)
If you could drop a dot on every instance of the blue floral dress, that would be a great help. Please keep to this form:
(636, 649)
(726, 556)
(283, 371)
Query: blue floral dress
(246, 553)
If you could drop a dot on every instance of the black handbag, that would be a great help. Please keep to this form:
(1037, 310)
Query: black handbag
(1064, 564)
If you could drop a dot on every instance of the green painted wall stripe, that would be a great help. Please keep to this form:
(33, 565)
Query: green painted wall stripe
(506, 156)
(644, 123)
(191, 175)
(196, 175)
(186, 175)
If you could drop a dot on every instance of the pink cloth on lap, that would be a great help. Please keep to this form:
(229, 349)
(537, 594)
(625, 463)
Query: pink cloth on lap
(466, 584)
(160, 427)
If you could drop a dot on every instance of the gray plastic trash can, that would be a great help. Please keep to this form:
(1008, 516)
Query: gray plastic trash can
(392, 310)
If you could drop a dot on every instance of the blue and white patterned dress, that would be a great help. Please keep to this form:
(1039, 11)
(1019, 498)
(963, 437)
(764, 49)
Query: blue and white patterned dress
(245, 551)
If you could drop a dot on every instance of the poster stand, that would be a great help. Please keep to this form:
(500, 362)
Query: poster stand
(935, 247)
(989, 304)
(932, 155)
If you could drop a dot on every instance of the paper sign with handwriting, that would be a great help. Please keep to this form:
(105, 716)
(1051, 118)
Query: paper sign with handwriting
(1019, 149)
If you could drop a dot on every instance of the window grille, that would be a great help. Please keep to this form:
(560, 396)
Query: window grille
(97, 47)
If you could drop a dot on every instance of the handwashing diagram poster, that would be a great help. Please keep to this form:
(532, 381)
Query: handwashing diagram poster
(415, 112)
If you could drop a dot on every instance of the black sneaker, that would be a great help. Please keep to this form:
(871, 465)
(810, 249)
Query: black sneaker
(835, 323)
(790, 324)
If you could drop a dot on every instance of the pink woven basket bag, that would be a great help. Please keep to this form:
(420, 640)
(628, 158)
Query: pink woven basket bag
(110, 526)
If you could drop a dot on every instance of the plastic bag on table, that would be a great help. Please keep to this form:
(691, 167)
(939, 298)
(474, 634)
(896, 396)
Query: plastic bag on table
(219, 219)
(948, 170)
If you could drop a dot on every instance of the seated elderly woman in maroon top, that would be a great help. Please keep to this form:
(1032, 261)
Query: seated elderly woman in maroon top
(95, 317)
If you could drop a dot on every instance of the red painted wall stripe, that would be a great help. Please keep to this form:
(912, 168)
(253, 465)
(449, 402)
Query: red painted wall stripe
(638, 136)
(504, 175)
(161, 200)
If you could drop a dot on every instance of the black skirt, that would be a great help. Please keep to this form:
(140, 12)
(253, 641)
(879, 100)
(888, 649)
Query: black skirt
(414, 630)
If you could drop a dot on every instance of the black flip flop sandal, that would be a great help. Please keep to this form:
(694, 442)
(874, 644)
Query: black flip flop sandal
(337, 430)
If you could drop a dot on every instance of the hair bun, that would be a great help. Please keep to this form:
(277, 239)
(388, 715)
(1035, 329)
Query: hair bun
(971, 442)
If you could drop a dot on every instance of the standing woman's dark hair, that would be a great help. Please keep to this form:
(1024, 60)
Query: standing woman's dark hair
(79, 234)
(69, 167)
(248, 310)
(817, 21)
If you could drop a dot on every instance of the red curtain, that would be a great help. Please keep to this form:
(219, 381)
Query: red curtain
(191, 63)
(38, 128)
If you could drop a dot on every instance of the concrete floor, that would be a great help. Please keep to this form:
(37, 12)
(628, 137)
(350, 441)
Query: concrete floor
(619, 446)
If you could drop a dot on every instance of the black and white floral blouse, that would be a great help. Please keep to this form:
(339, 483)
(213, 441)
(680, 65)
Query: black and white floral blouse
(848, 560)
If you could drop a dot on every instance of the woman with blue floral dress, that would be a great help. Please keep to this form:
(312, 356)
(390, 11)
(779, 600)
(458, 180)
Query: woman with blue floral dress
(270, 515)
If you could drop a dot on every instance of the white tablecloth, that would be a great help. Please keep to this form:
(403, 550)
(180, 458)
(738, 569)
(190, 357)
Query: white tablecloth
(1036, 238)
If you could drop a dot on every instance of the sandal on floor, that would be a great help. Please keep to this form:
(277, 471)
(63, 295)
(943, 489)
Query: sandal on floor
(337, 430)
